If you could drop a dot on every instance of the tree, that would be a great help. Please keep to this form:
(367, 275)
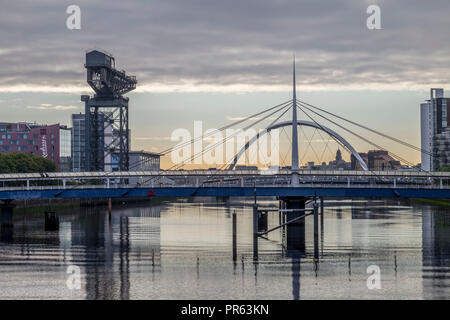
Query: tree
(20, 162)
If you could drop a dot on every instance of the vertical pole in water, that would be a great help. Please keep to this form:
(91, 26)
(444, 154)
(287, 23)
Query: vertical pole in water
(234, 238)
(279, 211)
(255, 231)
(316, 230)
(321, 211)
(109, 205)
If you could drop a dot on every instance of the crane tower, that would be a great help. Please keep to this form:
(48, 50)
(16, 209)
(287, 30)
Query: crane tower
(106, 114)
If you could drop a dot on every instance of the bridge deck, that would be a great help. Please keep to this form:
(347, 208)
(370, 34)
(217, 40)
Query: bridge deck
(280, 191)
(218, 173)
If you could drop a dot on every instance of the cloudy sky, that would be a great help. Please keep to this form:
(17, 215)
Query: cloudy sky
(217, 60)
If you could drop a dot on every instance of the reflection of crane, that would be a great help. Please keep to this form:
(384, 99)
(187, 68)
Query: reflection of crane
(106, 122)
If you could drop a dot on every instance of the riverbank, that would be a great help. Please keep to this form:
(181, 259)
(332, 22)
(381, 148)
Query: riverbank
(435, 202)
(62, 205)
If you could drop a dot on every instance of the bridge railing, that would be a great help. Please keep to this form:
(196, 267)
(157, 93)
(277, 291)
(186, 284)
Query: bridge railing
(218, 185)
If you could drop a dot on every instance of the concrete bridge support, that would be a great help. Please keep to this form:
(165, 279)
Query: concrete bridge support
(7, 210)
(262, 221)
(51, 221)
(225, 200)
(295, 231)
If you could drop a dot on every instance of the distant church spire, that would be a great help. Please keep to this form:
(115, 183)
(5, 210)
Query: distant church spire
(338, 155)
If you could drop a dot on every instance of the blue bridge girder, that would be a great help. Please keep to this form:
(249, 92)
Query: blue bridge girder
(262, 191)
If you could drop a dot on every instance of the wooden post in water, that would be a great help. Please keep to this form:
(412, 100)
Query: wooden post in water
(316, 230)
(255, 231)
(321, 211)
(234, 238)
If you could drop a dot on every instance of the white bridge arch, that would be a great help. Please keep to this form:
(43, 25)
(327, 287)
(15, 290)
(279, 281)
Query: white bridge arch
(300, 123)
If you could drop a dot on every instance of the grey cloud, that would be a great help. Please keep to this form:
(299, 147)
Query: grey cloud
(228, 42)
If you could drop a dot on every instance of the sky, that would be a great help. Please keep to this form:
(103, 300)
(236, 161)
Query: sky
(217, 61)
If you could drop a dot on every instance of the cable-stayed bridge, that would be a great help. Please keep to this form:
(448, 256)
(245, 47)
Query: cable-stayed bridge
(227, 181)
(293, 186)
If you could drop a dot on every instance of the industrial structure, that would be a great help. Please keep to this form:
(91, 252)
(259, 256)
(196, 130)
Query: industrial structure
(106, 129)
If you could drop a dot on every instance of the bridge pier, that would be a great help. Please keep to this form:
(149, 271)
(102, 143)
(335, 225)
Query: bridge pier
(262, 221)
(295, 231)
(225, 199)
(51, 221)
(7, 210)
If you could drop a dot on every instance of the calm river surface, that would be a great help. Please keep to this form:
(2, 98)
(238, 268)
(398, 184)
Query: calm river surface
(182, 250)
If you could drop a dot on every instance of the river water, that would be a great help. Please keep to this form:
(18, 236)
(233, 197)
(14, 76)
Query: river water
(183, 250)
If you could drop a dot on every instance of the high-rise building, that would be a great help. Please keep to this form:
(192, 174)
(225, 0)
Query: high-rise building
(78, 141)
(435, 131)
(106, 134)
(52, 142)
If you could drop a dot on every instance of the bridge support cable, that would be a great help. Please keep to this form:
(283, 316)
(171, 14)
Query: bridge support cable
(216, 144)
(313, 120)
(369, 129)
(166, 151)
(227, 162)
(362, 138)
(211, 147)
(286, 223)
(333, 137)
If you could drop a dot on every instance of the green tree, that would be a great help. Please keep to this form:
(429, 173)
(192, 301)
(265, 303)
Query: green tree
(20, 162)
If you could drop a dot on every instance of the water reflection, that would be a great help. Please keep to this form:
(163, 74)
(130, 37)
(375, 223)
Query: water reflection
(436, 252)
(192, 250)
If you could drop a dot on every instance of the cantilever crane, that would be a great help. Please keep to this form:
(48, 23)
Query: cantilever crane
(106, 123)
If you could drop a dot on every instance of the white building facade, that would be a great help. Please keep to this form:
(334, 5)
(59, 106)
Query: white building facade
(435, 131)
